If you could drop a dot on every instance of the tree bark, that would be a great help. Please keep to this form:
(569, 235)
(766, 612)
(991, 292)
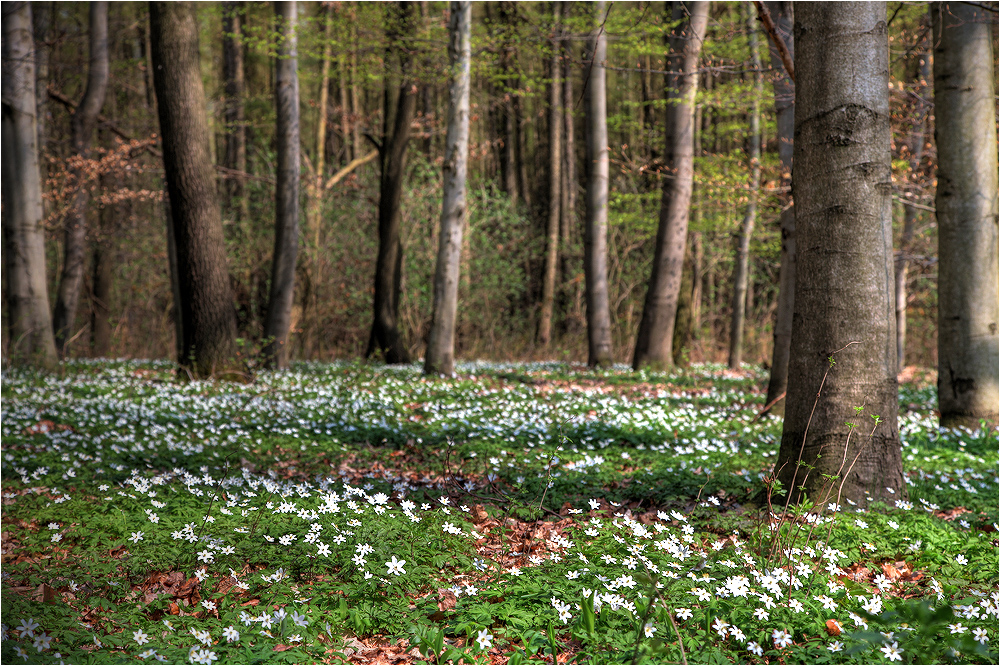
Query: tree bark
(596, 233)
(41, 16)
(567, 205)
(235, 107)
(508, 113)
(440, 358)
(843, 353)
(742, 271)
(966, 204)
(784, 106)
(206, 302)
(286, 223)
(654, 345)
(555, 183)
(30, 337)
(83, 122)
(400, 107)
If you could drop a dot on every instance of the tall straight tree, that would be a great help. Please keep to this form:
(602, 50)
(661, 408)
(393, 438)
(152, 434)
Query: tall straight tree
(784, 105)
(399, 109)
(555, 185)
(742, 272)
(235, 107)
(595, 246)
(30, 339)
(966, 204)
(83, 122)
(286, 222)
(440, 358)
(208, 317)
(843, 293)
(654, 345)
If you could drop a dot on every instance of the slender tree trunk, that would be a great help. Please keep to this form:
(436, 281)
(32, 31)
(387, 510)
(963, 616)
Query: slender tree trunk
(555, 182)
(510, 136)
(30, 337)
(286, 223)
(843, 187)
(400, 107)
(206, 301)
(567, 206)
(966, 204)
(41, 16)
(235, 113)
(83, 122)
(741, 277)
(596, 235)
(654, 345)
(784, 106)
(103, 260)
(315, 190)
(440, 358)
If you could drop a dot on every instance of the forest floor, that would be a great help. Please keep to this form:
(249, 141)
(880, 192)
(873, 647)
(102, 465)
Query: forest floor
(518, 513)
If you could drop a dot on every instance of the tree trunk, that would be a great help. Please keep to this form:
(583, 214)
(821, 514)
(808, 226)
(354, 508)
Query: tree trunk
(966, 203)
(315, 189)
(400, 107)
(30, 337)
(741, 277)
(596, 233)
(784, 106)
(654, 345)
(206, 302)
(567, 206)
(235, 113)
(41, 16)
(555, 183)
(440, 358)
(286, 223)
(103, 276)
(510, 136)
(83, 122)
(844, 301)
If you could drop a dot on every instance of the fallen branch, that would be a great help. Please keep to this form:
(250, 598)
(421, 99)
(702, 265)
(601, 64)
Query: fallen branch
(351, 166)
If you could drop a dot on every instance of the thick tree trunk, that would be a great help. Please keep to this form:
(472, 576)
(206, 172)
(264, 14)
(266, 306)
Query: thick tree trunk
(843, 297)
(742, 272)
(235, 107)
(440, 358)
(30, 338)
(966, 203)
(654, 345)
(400, 107)
(784, 106)
(286, 223)
(206, 302)
(83, 122)
(555, 183)
(596, 232)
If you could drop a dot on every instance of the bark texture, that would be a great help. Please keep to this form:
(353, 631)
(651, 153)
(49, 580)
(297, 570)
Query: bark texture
(286, 223)
(966, 203)
(595, 245)
(654, 345)
(206, 308)
(83, 122)
(30, 340)
(440, 358)
(555, 184)
(235, 107)
(843, 292)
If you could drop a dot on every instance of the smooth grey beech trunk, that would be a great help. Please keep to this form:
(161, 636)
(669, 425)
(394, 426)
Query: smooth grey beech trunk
(742, 273)
(595, 246)
(555, 183)
(440, 358)
(654, 344)
(286, 221)
(784, 107)
(208, 317)
(82, 125)
(844, 306)
(966, 203)
(30, 339)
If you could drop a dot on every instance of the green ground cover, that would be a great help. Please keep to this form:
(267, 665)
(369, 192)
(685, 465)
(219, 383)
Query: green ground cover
(520, 513)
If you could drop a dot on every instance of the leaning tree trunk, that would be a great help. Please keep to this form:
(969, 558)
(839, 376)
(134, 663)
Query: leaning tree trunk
(400, 107)
(742, 273)
(83, 123)
(654, 345)
(286, 222)
(30, 340)
(235, 108)
(843, 353)
(784, 106)
(208, 318)
(555, 183)
(596, 232)
(966, 204)
(440, 358)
